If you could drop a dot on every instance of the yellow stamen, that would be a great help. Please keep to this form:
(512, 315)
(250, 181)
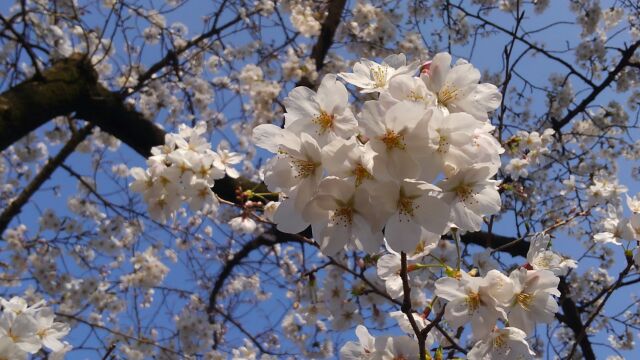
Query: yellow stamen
(413, 96)
(324, 121)
(442, 144)
(464, 192)
(405, 205)
(361, 173)
(393, 140)
(446, 95)
(473, 301)
(524, 300)
(499, 342)
(379, 74)
(343, 216)
(304, 168)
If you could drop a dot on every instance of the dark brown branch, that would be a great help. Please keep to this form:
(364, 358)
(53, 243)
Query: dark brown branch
(172, 55)
(627, 54)
(326, 38)
(406, 306)
(514, 247)
(268, 239)
(581, 331)
(23, 108)
(572, 319)
(71, 86)
(327, 32)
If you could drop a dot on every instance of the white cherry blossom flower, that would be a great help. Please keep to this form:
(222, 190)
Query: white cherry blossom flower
(21, 330)
(298, 164)
(414, 208)
(405, 325)
(408, 88)
(361, 350)
(508, 343)
(348, 159)
(340, 214)
(373, 77)
(633, 202)
(532, 301)
(50, 332)
(470, 300)
(539, 257)
(484, 262)
(345, 316)
(517, 168)
(10, 351)
(449, 137)
(457, 87)
(471, 194)
(399, 137)
(227, 159)
(396, 347)
(243, 224)
(616, 227)
(325, 115)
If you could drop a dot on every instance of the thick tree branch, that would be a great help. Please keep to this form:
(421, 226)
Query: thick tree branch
(326, 38)
(512, 246)
(579, 329)
(59, 91)
(572, 319)
(71, 86)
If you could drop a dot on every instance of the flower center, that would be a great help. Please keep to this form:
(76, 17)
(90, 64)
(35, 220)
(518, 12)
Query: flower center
(524, 300)
(443, 144)
(164, 180)
(499, 341)
(446, 95)
(361, 173)
(343, 216)
(162, 202)
(324, 121)
(473, 301)
(304, 168)
(203, 172)
(379, 75)
(405, 205)
(13, 337)
(393, 140)
(464, 192)
(203, 193)
(414, 96)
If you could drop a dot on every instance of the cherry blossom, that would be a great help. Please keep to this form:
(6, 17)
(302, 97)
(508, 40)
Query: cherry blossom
(507, 343)
(372, 77)
(457, 87)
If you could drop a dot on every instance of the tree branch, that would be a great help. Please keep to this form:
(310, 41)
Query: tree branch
(43, 175)
(627, 54)
(406, 306)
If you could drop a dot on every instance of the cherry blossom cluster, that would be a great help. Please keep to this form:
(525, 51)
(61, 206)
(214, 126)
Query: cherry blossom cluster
(414, 161)
(413, 164)
(526, 149)
(615, 226)
(518, 302)
(184, 169)
(26, 329)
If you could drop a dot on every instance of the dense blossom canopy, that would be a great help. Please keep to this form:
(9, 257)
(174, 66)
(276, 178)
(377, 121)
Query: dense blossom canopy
(297, 179)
